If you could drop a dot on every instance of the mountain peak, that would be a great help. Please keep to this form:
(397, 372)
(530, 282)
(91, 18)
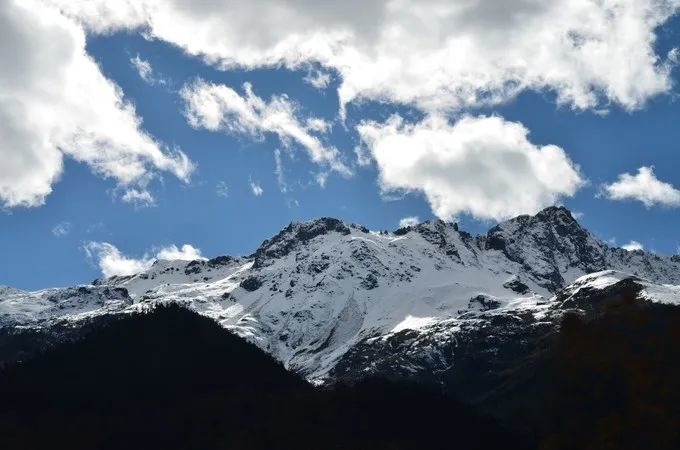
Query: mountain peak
(8, 290)
(323, 288)
(434, 225)
(556, 214)
(548, 242)
(555, 211)
(558, 218)
(294, 234)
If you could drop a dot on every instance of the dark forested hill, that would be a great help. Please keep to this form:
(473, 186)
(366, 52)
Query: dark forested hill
(174, 380)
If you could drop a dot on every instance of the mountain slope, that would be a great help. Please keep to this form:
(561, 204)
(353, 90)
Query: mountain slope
(334, 301)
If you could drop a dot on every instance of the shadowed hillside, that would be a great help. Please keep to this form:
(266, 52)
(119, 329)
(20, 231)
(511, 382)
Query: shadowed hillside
(607, 380)
(172, 379)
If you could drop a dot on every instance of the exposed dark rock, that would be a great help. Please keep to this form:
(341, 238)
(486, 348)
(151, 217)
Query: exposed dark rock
(317, 267)
(516, 285)
(483, 303)
(369, 282)
(402, 231)
(545, 242)
(361, 228)
(437, 232)
(220, 261)
(194, 267)
(295, 234)
(117, 293)
(251, 284)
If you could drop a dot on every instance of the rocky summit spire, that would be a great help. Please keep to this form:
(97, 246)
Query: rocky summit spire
(295, 234)
(548, 244)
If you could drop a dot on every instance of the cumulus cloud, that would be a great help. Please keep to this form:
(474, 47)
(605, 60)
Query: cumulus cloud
(484, 166)
(112, 262)
(55, 103)
(409, 221)
(61, 229)
(185, 253)
(217, 107)
(436, 54)
(633, 246)
(644, 187)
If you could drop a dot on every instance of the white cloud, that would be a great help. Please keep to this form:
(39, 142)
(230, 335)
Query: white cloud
(138, 197)
(144, 69)
(632, 246)
(112, 262)
(61, 229)
(363, 156)
(222, 190)
(321, 179)
(409, 221)
(217, 107)
(643, 186)
(484, 166)
(436, 54)
(185, 253)
(280, 177)
(318, 79)
(55, 103)
(317, 125)
(255, 188)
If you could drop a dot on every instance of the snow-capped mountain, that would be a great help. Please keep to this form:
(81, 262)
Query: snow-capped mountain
(337, 301)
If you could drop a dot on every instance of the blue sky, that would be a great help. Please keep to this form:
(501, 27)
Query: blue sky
(217, 212)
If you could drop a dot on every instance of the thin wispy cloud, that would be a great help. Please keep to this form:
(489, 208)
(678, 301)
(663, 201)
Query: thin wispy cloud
(255, 188)
(217, 107)
(222, 189)
(61, 229)
(143, 68)
(278, 171)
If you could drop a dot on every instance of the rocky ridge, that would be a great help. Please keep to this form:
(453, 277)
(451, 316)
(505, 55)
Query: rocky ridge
(334, 301)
